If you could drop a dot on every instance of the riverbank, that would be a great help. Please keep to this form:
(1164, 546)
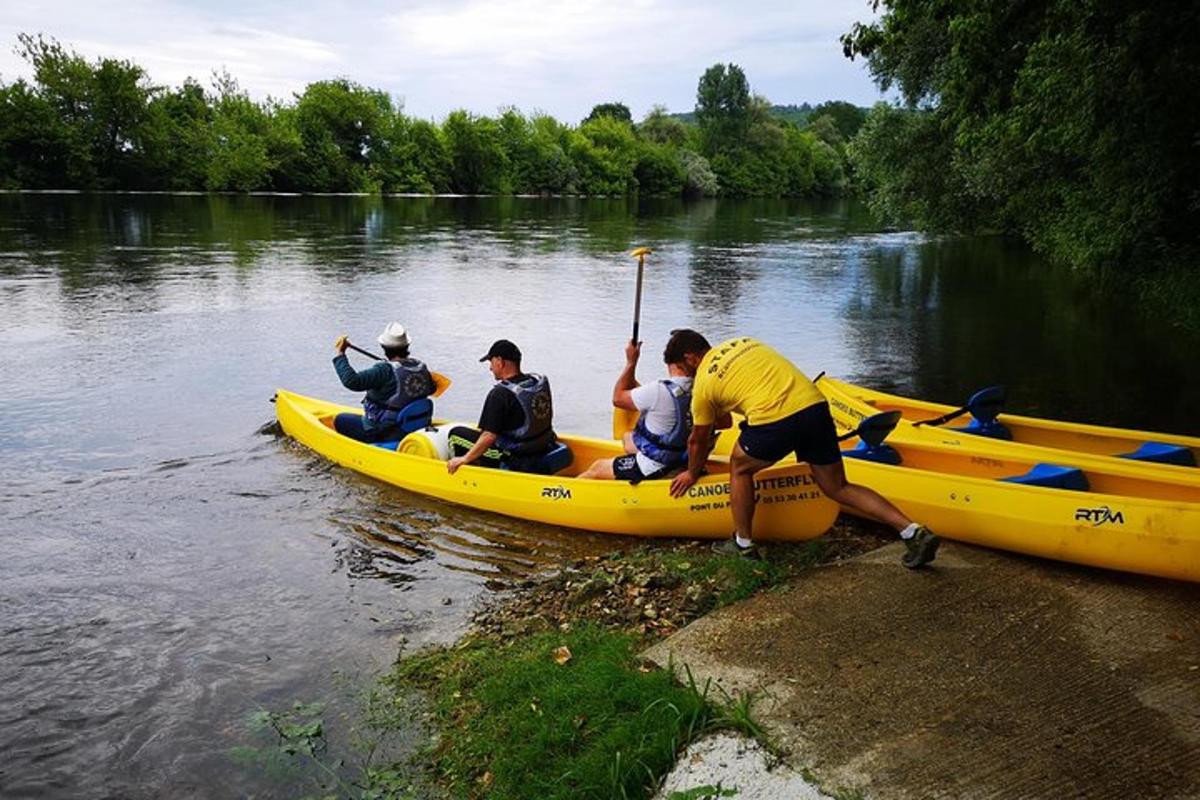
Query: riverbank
(548, 697)
(834, 670)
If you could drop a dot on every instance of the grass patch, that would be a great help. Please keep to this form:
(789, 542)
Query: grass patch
(739, 578)
(516, 723)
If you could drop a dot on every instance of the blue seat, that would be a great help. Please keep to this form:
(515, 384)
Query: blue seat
(879, 453)
(1052, 476)
(1162, 453)
(413, 417)
(991, 428)
(554, 460)
(416, 415)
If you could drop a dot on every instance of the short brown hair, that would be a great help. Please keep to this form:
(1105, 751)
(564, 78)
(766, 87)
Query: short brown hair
(682, 342)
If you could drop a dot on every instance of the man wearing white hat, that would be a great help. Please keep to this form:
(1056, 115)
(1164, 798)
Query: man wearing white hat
(395, 389)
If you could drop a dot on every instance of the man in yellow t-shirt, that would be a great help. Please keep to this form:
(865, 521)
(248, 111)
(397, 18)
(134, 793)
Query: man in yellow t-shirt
(785, 414)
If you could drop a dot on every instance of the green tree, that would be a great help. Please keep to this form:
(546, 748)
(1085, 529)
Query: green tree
(658, 170)
(699, 180)
(35, 146)
(660, 127)
(723, 106)
(340, 125)
(605, 152)
(846, 117)
(1072, 122)
(617, 111)
(102, 109)
(179, 146)
(478, 163)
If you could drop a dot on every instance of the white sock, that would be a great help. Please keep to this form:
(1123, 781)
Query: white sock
(910, 531)
(742, 543)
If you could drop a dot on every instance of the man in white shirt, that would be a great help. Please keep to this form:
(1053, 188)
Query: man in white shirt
(657, 446)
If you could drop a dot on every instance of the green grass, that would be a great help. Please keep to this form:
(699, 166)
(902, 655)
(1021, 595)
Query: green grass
(739, 578)
(516, 724)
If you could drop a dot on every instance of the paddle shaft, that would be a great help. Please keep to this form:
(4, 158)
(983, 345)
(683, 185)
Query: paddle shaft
(637, 298)
(367, 353)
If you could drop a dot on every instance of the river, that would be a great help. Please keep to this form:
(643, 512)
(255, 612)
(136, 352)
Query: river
(167, 570)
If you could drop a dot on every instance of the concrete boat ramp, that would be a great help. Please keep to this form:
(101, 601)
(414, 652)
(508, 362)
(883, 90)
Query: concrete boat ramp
(987, 675)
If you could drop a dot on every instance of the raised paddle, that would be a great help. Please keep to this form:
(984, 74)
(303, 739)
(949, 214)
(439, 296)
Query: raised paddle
(624, 419)
(439, 380)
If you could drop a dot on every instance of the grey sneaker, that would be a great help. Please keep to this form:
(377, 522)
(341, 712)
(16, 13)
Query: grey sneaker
(730, 547)
(921, 548)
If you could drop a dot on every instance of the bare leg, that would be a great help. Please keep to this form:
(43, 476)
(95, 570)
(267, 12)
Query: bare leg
(600, 470)
(742, 468)
(832, 480)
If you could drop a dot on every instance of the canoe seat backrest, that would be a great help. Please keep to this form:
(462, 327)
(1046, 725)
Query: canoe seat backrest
(1162, 453)
(984, 406)
(1052, 476)
(415, 416)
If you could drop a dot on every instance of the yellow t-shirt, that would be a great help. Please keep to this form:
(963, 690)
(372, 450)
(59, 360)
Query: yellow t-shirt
(747, 377)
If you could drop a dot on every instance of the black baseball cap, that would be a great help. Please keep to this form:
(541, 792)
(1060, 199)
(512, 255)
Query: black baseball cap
(504, 349)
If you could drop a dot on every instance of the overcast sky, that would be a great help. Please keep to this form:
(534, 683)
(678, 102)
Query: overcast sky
(438, 55)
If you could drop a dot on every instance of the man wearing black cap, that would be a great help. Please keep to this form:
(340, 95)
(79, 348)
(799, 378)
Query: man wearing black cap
(515, 424)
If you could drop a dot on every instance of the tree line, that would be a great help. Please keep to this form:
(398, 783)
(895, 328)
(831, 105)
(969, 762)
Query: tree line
(1072, 123)
(103, 124)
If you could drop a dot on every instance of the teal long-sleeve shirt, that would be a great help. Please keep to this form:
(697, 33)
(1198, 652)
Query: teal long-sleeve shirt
(377, 380)
(378, 377)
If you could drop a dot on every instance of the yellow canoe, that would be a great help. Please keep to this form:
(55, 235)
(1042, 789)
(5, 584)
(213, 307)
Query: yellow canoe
(791, 505)
(1117, 516)
(1078, 444)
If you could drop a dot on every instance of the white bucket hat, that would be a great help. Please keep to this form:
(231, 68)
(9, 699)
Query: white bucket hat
(394, 335)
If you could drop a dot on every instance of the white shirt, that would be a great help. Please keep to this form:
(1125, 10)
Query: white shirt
(657, 406)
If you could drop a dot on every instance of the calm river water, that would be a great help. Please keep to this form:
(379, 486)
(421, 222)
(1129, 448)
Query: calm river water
(166, 570)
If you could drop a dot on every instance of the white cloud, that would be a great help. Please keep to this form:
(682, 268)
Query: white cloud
(561, 57)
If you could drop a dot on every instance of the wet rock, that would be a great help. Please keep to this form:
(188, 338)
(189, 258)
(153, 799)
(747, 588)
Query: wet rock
(661, 581)
(587, 591)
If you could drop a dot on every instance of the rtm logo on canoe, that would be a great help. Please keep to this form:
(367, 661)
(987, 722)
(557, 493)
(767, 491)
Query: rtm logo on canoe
(556, 493)
(1100, 516)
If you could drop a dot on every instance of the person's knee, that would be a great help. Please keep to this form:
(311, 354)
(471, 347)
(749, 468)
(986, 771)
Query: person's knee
(742, 465)
(600, 469)
(832, 483)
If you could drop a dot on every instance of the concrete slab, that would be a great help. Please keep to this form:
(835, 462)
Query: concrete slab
(989, 675)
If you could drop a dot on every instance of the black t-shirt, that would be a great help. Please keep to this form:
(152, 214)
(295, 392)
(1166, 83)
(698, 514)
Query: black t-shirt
(502, 410)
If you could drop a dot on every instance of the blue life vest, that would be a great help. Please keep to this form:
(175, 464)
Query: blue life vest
(535, 434)
(668, 449)
(413, 383)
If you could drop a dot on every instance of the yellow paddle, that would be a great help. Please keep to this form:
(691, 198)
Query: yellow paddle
(440, 381)
(624, 419)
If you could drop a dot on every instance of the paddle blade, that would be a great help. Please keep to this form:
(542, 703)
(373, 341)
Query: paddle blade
(641, 252)
(441, 382)
(623, 421)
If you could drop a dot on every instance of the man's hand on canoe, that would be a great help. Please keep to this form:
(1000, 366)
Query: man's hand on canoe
(453, 464)
(683, 481)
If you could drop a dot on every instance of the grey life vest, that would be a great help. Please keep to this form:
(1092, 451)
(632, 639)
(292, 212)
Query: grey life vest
(670, 448)
(413, 382)
(535, 434)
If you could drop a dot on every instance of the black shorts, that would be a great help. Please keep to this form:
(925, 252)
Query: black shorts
(809, 433)
(625, 468)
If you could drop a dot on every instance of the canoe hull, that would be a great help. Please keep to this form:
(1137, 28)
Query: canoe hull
(791, 505)
(1129, 534)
